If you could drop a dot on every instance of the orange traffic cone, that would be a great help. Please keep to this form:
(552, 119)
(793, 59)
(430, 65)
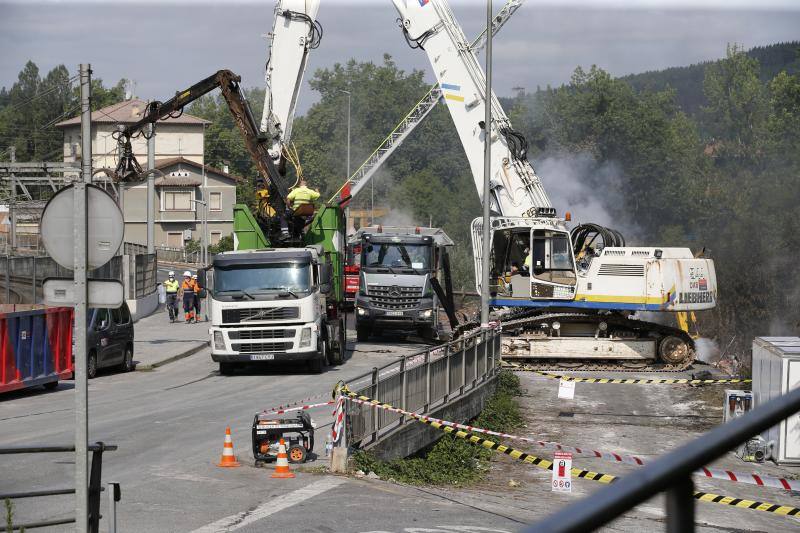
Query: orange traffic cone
(282, 466)
(228, 459)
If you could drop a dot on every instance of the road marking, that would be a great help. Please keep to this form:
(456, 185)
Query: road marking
(239, 520)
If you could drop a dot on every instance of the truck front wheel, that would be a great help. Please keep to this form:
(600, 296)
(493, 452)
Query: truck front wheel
(362, 333)
(339, 353)
(315, 365)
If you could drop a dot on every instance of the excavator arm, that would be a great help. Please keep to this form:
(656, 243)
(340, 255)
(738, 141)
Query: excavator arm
(270, 178)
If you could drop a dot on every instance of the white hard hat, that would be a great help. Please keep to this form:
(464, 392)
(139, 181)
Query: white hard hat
(194, 276)
(171, 274)
(187, 274)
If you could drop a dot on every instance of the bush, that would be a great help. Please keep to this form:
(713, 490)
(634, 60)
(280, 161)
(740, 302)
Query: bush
(453, 461)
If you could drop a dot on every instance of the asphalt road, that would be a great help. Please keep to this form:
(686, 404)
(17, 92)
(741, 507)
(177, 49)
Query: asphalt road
(169, 425)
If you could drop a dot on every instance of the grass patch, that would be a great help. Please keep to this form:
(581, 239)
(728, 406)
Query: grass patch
(453, 461)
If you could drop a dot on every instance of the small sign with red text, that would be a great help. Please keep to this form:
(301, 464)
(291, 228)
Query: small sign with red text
(562, 472)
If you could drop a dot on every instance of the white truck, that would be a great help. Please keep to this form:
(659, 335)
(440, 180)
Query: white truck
(274, 305)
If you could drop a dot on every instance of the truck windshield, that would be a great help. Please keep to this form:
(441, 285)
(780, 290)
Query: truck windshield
(396, 255)
(263, 278)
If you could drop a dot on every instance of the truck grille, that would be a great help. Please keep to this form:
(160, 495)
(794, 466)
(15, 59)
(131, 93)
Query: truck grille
(257, 334)
(256, 313)
(394, 296)
(262, 347)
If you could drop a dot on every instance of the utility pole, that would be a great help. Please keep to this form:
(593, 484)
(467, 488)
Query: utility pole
(80, 236)
(151, 189)
(205, 205)
(12, 204)
(487, 167)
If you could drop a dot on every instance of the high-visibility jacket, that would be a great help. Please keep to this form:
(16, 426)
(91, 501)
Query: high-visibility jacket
(172, 286)
(188, 285)
(527, 263)
(301, 196)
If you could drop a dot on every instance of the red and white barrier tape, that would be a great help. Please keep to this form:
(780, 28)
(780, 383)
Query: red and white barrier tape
(727, 475)
(298, 408)
(338, 420)
(293, 404)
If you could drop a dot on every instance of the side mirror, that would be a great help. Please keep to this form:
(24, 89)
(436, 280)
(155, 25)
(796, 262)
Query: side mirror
(201, 277)
(325, 277)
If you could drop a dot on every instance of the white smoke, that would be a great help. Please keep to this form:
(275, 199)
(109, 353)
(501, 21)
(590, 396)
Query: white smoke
(589, 190)
(399, 218)
(706, 350)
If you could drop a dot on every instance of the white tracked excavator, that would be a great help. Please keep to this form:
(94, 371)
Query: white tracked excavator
(568, 297)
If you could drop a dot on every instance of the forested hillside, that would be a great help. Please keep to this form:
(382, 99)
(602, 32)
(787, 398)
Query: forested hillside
(688, 81)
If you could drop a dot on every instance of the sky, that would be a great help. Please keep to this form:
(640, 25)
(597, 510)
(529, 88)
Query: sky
(165, 47)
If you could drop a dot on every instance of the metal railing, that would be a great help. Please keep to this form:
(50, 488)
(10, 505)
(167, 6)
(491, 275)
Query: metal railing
(22, 276)
(420, 383)
(178, 255)
(144, 275)
(671, 474)
(95, 487)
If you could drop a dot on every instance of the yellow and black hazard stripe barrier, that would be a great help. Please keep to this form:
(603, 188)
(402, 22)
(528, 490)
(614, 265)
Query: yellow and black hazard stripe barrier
(624, 381)
(544, 464)
(486, 443)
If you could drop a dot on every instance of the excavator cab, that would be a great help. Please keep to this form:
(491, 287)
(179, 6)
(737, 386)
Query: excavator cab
(530, 259)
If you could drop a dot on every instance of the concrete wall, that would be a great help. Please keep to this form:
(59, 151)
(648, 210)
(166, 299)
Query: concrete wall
(142, 307)
(414, 436)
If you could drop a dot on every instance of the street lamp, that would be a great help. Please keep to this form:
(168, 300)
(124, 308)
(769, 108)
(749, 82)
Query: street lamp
(487, 153)
(348, 130)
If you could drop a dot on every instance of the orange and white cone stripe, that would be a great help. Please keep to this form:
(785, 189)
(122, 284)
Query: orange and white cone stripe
(228, 459)
(282, 465)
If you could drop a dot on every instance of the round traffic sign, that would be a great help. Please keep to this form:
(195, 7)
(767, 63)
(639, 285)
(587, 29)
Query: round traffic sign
(104, 233)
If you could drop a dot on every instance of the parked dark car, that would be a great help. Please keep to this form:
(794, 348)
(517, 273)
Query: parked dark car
(109, 339)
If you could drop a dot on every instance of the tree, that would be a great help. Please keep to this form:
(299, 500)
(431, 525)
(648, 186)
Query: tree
(33, 105)
(736, 110)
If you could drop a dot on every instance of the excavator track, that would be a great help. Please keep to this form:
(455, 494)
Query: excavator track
(527, 320)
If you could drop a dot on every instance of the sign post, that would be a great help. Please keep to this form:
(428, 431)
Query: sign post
(80, 228)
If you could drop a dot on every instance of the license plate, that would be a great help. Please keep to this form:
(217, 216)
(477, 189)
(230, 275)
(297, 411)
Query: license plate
(394, 313)
(262, 357)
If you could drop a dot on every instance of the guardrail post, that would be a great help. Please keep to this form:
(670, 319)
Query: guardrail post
(375, 412)
(680, 507)
(8, 280)
(447, 373)
(427, 381)
(403, 389)
(94, 489)
(463, 367)
(114, 495)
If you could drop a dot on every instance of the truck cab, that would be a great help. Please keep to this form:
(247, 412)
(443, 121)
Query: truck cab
(272, 305)
(399, 273)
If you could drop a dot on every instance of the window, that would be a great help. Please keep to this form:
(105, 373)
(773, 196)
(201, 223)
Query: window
(175, 239)
(215, 201)
(177, 200)
(215, 237)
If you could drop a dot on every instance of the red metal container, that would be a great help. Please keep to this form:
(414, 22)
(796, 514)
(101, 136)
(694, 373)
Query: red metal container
(35, 348)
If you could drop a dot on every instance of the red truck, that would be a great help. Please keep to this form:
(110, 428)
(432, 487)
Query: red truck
(352, 268)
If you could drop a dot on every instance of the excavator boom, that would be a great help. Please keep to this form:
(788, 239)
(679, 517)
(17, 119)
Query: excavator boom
(228, 82)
